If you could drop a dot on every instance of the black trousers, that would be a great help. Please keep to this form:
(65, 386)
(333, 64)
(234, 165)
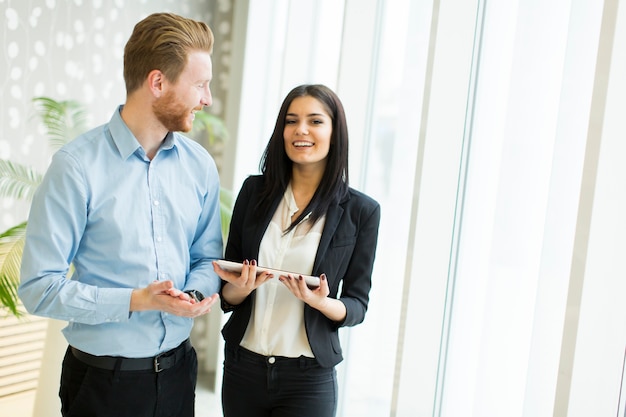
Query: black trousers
(258, 386)
(88, 391)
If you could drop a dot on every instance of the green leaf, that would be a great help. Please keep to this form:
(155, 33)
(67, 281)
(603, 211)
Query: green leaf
(18, 181)
(226, 210)
(209, 129)
(64, 120)
(11, 249)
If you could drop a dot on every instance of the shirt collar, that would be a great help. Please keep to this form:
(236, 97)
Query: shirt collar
(292, 207)
(126, 142)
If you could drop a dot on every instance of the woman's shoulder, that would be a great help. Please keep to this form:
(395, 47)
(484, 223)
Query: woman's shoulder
(254, 179)
(251, 187)
(360, 200)
(252, 182)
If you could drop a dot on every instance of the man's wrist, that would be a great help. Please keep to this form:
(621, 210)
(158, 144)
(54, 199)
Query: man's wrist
(138, 300)
(195, 295)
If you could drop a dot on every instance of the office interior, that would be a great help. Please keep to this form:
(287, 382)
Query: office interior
(491, 133)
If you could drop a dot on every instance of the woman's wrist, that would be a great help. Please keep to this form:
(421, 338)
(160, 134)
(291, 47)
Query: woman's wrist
(234, 295)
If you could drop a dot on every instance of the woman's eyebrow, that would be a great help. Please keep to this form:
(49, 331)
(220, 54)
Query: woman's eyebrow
(308, 115)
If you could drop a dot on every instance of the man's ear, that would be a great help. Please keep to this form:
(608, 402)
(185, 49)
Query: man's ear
(155, 82)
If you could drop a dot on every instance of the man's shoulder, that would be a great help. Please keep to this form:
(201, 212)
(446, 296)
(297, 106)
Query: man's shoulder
(185, 141)
(86, 142)
(191, 148)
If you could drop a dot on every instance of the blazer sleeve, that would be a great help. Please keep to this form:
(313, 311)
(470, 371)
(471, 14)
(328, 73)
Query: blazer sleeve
(234, 246)
(347, 259)
(357, 279)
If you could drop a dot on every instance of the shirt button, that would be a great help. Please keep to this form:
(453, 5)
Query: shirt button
(156, 202)
(271, 360)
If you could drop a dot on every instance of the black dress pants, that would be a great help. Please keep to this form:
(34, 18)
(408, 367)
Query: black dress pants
(89, 391)
(274, 386)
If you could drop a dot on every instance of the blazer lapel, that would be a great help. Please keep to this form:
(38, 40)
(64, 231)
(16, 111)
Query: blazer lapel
(258, 230)
(333, 215)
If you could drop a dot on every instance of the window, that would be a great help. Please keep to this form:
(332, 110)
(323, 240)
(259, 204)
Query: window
(381, 64)
(21, 344)
(477, 126)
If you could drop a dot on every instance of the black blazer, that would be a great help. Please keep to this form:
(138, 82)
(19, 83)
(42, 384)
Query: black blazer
(345, 253)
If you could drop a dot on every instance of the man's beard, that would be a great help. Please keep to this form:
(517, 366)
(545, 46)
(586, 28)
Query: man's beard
(172, 114)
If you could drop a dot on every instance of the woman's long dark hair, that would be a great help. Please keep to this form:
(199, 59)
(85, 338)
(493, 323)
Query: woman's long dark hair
(276, 166)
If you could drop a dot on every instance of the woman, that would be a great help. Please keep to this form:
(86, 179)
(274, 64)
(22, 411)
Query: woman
(300, 215)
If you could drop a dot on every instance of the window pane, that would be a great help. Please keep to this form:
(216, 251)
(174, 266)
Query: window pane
(387, 173)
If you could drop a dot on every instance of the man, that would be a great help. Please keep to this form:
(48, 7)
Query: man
(134, 207)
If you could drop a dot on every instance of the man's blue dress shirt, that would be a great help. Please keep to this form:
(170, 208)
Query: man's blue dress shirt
(123, 221)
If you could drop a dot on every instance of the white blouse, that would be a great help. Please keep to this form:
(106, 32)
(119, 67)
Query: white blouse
(276, 325)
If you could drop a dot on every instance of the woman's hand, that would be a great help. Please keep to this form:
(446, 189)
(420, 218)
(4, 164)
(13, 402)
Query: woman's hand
(240, 285)
(316, 297)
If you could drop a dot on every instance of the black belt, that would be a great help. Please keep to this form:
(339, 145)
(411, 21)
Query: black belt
(157, 363)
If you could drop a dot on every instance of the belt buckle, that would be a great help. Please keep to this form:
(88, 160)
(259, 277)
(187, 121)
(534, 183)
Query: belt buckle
(157, 364)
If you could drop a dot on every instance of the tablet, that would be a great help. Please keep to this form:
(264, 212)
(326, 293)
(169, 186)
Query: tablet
(236, 267)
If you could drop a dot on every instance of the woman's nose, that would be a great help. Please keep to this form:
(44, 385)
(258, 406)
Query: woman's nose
(302, 130)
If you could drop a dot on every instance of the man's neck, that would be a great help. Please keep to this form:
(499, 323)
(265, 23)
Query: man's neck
(148, 131)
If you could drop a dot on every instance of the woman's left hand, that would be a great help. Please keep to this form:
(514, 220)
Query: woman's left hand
(315, 297)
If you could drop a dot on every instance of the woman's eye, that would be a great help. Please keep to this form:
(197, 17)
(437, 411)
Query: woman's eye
(289, 122)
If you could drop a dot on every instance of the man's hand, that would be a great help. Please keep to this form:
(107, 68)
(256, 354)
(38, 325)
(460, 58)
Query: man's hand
(162, 296)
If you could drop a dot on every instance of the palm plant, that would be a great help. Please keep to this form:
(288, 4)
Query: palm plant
(63, 121)
(210, 130)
